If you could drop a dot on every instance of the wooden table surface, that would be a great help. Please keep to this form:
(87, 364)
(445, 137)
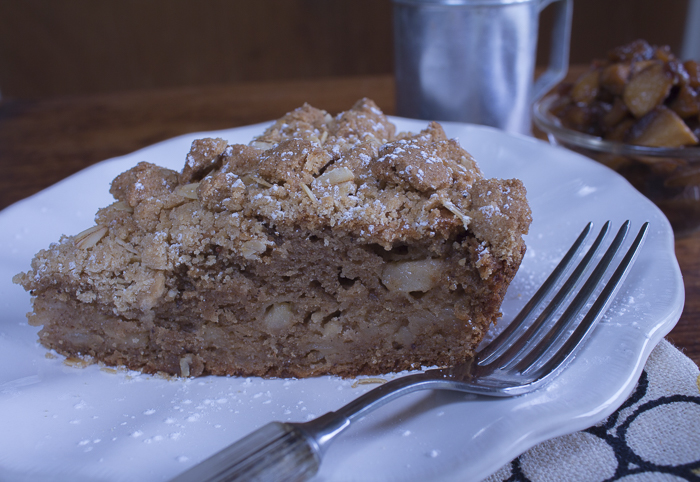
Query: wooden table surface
(42, 142)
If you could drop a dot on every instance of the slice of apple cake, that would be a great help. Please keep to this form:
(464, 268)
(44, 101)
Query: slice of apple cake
(328, 245)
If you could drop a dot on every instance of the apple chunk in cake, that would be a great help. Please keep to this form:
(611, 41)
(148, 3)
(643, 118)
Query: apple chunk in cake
(328, 245)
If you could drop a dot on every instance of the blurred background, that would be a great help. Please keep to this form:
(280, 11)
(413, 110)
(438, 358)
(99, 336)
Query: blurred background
(54, 48)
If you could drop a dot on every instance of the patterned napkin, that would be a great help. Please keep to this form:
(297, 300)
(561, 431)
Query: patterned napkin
(654, 435)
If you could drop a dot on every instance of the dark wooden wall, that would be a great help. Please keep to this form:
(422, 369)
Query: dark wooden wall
(63, 47)
(600, 25)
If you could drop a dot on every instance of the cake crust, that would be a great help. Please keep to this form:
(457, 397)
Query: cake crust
(328, 245)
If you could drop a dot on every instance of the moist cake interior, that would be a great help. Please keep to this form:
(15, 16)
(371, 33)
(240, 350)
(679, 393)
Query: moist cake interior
(327, 245)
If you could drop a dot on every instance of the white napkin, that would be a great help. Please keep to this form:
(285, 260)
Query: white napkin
(654, 435)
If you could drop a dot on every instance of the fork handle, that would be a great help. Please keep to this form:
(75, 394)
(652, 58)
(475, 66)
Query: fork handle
(275, 452)
(291, 452)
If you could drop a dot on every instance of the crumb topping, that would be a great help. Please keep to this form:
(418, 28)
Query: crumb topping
(309, 172)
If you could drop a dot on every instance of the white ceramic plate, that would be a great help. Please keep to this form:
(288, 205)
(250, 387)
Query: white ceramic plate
(66, 423)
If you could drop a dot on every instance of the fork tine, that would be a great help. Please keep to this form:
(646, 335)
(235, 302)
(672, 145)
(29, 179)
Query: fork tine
(542, 345)
(534, 331)
(585, 327)
(499, 344)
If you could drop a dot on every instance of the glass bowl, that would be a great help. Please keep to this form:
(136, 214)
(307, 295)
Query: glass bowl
(669, 177)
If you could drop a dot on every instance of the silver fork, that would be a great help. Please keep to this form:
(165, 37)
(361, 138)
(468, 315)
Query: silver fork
(524, 357)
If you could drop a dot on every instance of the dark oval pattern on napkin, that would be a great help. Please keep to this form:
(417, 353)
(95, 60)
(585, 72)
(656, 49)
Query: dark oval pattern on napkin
(654, 435)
